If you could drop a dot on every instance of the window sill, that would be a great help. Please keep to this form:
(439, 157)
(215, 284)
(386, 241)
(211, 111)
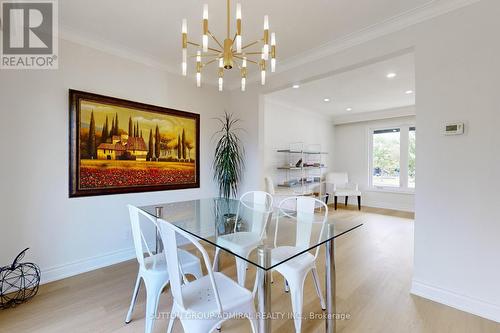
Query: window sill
(391, 190)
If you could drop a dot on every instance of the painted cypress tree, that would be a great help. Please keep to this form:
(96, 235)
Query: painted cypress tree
(137, 129)
(91, 143)
(117, 127)
(104, 133)
(183, 141)
(112, 130)
(150, 151)
(179, 146)
(157, 143)
(130, 129)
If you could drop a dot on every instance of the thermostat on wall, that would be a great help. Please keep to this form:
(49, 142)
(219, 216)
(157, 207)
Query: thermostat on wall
(454, 129)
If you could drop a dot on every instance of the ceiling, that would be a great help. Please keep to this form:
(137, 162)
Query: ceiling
(363, 89)
(150, 29)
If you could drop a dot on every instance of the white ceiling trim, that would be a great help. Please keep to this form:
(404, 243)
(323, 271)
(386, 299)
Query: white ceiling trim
(113, 48)
(392, 25)
(306, 112)
(405, 111)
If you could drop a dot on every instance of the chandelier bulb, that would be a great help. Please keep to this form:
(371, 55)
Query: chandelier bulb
(238, 11)
(221, 83)
(184, 26)
(205, 11)
(238, 43)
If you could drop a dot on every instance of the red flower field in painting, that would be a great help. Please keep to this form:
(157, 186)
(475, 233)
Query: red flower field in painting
(102, 174)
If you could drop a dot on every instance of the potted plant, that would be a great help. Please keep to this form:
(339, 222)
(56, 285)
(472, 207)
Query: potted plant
(228, 164)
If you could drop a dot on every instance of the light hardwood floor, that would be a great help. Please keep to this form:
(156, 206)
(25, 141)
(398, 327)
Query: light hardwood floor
(374, 269)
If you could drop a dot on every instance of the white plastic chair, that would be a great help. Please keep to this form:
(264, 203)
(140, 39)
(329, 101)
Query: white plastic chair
(203, 304)
(295, 270)
(153, 268)
(242, 243)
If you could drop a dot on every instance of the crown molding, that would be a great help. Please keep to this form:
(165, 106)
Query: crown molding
(306, 112)
(403, 111)
(386, 27)
(112, 48)
(121, 51)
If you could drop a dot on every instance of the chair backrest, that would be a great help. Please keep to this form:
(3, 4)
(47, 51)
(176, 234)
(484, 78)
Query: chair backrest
(269, 185)
(340, 179)
(168, 233)
(260, 204)
(305, 217)
(140, 243)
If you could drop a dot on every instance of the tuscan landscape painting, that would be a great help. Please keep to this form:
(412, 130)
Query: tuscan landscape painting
(129, 147)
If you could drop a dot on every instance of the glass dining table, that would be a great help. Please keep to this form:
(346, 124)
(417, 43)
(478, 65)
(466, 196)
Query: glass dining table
(209, 219)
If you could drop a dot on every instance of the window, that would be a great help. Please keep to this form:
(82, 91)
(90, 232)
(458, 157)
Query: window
(392, 158)
(411, 157)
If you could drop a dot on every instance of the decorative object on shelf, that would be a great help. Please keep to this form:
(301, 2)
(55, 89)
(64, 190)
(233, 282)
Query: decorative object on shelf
(19, 282)
(119, 146)
(305, 174)
(231, 52)
(228, 161)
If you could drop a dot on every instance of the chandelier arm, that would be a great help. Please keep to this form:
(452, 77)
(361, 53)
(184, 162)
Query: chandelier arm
(215, 39)
(234, 38)
(249, 53)
(251, 44)
(205, 55)
(198, 45)
(241, 58)
(209, 62)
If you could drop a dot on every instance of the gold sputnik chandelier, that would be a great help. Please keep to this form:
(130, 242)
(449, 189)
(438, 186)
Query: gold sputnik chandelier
(231, 52)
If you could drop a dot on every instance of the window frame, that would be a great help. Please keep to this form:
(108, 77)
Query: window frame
(404, 146)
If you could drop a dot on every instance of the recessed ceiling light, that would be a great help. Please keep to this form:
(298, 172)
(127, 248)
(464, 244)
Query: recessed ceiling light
(326, 100)
(348, 109)
(391, 75)
(296, 86)
(409, 92)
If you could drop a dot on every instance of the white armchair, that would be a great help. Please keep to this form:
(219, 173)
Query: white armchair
(337, 185)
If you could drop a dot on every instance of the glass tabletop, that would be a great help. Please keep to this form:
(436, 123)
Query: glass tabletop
(240, 227)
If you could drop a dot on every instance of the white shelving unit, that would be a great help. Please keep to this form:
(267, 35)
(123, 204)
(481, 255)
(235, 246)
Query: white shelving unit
(302, 178)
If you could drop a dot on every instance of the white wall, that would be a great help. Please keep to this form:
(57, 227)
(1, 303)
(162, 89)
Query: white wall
(67, 236)
(283, 125)
(457, 224)
(351, 153)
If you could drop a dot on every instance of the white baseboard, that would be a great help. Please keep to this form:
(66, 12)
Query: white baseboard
(461, 302)
(388, 205)
(85, 265)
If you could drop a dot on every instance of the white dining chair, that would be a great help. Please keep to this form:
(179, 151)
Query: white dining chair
(259, 205)
(203, 304)
(296, 270)
(153, 267)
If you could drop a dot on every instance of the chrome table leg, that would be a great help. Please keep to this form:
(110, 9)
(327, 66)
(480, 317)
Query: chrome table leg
(264, 289)
(159, 244)
(330, 282)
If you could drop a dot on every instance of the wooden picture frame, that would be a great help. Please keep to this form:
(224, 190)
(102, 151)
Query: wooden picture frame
(159, 151)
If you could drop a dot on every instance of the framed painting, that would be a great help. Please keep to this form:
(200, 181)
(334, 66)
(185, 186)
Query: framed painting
(119, 146)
